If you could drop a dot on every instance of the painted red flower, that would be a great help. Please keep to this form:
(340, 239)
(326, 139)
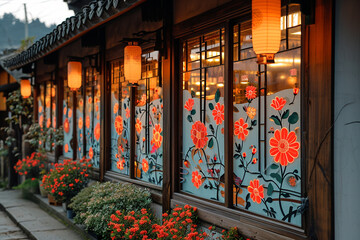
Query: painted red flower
(80, 123)
(256, 191)
(54, 122)
(189, 104)
(120, 164)
(69, 113)
(65, 110)
(41, 121)
(91, 153)
(250, 92)
(198, 134)
(97, 132)
(196, 179)
(48, 122)
(296, 91)
(119, 125)
(240, 129)
(66, 125)
(145, 165)
(127, 112)
(278, 103)
(66, 148)
(284, 147)
(157, 138)
(218, 113)
(116, 108)
(138, 125)
(87, 122)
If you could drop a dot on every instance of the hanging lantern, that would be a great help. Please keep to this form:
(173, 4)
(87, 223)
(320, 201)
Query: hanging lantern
(25, 88)
(132, 63)
(74, 75)
(266, 32)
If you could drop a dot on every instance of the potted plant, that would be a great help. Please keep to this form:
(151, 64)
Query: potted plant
(66, 180)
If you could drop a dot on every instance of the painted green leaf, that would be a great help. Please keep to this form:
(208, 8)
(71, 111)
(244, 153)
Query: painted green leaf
(217, 95)
(274, 166)
(211, 143)
(276, 176)
(235, 109)
(285, 114)
(270, 189)
(211, 106)
(285, 195)
(293, 118)
(192, 94)
(193, 112)
(189, 118)
(276, 120)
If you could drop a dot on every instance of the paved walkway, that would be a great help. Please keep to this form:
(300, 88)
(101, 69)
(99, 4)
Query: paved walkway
(34, 221)
(9, 230)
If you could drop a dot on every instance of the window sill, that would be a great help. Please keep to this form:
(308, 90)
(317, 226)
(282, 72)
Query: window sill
(251, 225)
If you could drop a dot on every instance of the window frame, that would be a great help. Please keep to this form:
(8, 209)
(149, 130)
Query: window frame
(208, 209)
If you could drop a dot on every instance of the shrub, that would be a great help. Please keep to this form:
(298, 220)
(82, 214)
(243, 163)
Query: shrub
(67, 179)
(31, 166)
(94, 205)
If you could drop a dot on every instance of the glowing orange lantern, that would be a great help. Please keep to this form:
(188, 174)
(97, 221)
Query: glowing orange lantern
(266, 32)
(74, 75)
(132, 63)
(25, 88)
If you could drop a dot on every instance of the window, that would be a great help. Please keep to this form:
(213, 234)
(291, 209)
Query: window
(202, 171)
(266, 121)
(68, 122)
(148, 125)
(120, 119)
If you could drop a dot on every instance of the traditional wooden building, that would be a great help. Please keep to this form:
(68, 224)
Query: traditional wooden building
(250, 145)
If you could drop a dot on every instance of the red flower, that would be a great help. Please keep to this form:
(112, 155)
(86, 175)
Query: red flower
(97, 132)
(278, 103)
(250, 92)
(145, 165)
(66, 125)
(80, 123)
(256, 191)
(189, 104)
(87, 122)
(196, 179)
(116, 108)
(138, 125)
(120, 164)
(119, 125)
(218, 113)
(91, 153)
(284, 147)
(198, 134)
(241, 129)
(127, 112)
(292, 181)
(296, 91)
(157, 138)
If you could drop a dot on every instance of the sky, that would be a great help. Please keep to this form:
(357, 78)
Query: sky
(48, 11)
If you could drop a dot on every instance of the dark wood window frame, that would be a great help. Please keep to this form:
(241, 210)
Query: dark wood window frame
(225, 216)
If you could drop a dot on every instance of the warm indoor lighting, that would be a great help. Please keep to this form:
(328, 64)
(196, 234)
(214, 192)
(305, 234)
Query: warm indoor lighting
(132, 63)
(74, 75)
(25, 88)
(266, 31)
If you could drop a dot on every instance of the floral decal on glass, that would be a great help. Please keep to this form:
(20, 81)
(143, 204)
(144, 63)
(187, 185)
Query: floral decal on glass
(68, 126)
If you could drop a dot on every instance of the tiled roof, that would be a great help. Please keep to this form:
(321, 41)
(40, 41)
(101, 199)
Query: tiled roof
(92, 14)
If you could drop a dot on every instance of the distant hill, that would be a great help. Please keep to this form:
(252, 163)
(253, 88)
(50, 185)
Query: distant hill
(12, 31)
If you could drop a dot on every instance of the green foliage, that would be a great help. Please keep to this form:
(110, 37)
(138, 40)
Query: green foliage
(94, 205)
(38, 136)
(29, 184)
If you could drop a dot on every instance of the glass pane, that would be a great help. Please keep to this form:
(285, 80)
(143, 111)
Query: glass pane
(92, 107)
(53, 105)
(202, 170)
(80, 124)
(120, 120)
(148, 122)
(48, 111)
(267, 160)
(68, 122)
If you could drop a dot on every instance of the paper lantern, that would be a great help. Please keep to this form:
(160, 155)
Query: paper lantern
(132, 63)
(25, 88)
(266, 32)
(74, 75)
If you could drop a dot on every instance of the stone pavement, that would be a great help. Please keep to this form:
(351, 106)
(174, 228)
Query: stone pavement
(34, 221)
(9, 230)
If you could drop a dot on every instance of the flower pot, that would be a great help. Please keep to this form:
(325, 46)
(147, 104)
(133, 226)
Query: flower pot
(52, 201)
(43, 192)
(70, 213)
